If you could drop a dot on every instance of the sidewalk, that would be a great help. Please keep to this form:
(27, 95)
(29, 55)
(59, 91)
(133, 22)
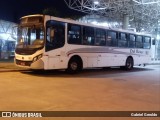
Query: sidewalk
(9, 66)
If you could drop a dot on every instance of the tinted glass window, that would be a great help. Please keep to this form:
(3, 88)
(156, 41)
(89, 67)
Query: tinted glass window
(74, 34)
(146, 45)
(100, 37)
(147, 39)
(122, 42)
(123, 36)
(55, 35)
(113, 35)
(88, 36)
(132, 40)
(132, 37)
(112, 38)
(153, 42)
(147, 42)
(139, 45)
(139, 42)
(108, 40)
(139, 39)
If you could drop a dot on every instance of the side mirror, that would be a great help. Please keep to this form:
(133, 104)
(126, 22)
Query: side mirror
(153, 42)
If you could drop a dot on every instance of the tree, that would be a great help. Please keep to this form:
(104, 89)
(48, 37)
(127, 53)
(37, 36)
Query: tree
(51, 12)
(74, 17)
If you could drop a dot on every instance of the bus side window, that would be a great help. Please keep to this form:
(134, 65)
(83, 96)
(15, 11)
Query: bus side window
(108, 39)
(132, 41)
(139, 42)
(112, 35)
(122, 42)
(100, 37)
(147, 43)
(88, 35)
(153, 42)
(74, 34)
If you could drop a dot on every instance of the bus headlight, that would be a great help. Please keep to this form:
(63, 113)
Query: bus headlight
(37, 58)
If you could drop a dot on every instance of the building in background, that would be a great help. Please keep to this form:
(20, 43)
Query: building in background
(7, 39)
(141, 16)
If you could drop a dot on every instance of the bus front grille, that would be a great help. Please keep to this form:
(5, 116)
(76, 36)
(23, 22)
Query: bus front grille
(23, 63)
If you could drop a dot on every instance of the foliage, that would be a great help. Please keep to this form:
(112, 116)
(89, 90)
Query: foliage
(51, 11)
(74, 17)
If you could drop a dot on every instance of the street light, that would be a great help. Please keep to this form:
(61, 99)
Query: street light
(96, 2)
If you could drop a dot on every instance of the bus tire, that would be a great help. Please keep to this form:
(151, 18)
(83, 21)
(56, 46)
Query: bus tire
(74, 65)
(129, 63)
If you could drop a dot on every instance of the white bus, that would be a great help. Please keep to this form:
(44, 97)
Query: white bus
(46, 42)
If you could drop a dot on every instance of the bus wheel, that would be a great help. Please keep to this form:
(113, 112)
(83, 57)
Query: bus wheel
(74, 65)
(129, 63)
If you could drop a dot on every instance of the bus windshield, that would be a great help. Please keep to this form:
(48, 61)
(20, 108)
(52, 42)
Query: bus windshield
(30, 36)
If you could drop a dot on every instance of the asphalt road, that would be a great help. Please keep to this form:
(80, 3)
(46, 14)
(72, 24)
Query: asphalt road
(91, 90)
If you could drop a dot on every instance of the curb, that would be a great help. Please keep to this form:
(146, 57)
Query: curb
(11, 70)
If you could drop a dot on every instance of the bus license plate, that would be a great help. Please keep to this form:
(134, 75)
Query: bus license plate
(22, 63)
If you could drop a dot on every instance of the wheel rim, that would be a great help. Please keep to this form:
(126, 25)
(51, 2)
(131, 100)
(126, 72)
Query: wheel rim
(129, 63)
(74, 66)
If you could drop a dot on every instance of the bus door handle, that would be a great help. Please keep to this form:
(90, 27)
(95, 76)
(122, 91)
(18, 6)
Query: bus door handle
(99, 56)
(58, 55)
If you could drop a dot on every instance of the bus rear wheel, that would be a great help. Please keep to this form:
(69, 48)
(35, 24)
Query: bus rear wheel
(129, 63)
(74, 65)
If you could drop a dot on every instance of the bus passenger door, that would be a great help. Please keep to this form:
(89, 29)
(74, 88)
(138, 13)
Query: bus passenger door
(57, 61)
(92, 60)
(53, 62)
(55, 40)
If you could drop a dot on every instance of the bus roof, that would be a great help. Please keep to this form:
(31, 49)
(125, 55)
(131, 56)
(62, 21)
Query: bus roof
(84, 24)
(35, 15)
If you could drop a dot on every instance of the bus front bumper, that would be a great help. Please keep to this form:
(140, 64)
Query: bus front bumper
(37, 65)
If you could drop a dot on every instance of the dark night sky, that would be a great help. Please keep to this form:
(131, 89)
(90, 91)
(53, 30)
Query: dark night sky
(12, 10)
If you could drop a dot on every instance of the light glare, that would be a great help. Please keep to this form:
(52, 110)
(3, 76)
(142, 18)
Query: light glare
(96, 2)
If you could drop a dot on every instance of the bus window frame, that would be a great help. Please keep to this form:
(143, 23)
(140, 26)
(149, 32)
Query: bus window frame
(85, 42)
(146, 42)
(100, 43)
(139, 41)
(120, 40)
(129, 41)
(50, 45)
(116, 40)
(80, 34)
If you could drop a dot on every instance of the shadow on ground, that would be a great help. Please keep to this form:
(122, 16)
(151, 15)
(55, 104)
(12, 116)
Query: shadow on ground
(87, 73)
